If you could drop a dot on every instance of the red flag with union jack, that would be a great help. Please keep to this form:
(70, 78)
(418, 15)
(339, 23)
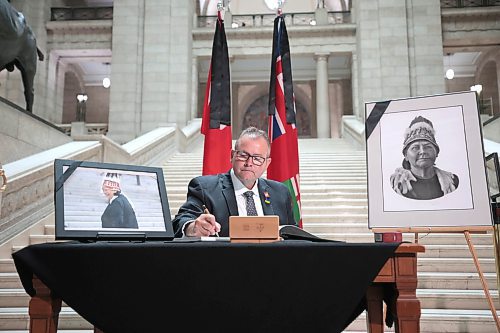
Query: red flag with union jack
(282, 130)
(216, 121)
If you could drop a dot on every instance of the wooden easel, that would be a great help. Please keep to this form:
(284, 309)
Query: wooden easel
(466, 231)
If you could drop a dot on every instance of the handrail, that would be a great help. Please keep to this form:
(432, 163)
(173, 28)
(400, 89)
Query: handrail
(492, 119)
(81, 13)
(267, 20)
(468, 3)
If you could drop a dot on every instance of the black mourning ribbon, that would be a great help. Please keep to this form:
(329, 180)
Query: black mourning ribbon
(62, 179)
(374, 117)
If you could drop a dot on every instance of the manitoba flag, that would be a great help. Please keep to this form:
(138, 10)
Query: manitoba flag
(282, 130)
(216, 121)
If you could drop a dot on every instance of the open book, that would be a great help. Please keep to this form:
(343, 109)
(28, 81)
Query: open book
(293, 232)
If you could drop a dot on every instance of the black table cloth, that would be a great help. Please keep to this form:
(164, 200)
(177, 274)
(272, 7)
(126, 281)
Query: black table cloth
(289, 286)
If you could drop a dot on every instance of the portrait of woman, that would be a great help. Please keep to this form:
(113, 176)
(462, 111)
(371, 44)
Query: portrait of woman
(419, 178)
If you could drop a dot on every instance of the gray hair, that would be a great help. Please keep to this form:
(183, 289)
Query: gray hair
(253, 133)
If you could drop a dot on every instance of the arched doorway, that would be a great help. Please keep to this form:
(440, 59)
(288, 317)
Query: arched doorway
(256, 115)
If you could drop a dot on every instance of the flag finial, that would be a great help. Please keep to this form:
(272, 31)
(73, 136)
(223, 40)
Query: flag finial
(220, 9)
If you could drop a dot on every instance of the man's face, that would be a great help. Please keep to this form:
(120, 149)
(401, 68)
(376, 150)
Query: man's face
(421, 154)
(247, 168)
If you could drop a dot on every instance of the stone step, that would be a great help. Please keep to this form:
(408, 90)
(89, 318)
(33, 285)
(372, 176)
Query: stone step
(17, 318)
(455, 280)
(10, 280)
(13, 298)
(465, 265)
(322, 227)
(342, 201)
(454, 299)
(7, 266)
(334, 209)
(442, 320)
(335, 218)
(457, 251)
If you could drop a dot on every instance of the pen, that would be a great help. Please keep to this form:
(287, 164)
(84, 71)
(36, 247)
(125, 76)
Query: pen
(205, 211)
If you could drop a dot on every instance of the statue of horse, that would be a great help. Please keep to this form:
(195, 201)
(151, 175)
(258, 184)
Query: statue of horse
(18, 48)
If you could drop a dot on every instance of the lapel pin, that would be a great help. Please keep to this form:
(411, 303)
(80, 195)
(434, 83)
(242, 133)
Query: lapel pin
(267, 198)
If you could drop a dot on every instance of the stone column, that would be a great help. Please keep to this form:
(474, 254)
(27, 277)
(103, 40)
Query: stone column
(322, 107)
(194, 88)
(357, 109)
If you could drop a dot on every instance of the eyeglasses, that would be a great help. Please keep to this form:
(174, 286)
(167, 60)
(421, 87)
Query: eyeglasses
(244, 156)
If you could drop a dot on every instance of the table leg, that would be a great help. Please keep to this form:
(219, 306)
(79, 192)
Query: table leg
(407, 305)
(43, 309)
(374, 316)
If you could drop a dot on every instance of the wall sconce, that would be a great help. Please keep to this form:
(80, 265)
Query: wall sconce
(81, 108)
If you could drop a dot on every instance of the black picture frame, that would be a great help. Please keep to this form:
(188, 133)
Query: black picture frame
(456, 122)
(80, 202)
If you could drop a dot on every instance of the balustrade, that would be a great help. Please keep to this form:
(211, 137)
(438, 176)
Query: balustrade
(81, 13)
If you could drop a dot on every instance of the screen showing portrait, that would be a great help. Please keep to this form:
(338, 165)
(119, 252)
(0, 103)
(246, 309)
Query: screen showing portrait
(110, 201)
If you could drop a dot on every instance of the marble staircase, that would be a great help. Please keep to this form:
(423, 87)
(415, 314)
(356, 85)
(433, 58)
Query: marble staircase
(334, 205)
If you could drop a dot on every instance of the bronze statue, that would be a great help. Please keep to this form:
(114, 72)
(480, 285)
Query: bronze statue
(18, 48)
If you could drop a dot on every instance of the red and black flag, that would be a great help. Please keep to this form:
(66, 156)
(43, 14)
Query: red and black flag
(282, 126)
(216, 121)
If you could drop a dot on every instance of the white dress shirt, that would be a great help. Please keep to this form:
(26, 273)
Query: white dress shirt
(239, 189)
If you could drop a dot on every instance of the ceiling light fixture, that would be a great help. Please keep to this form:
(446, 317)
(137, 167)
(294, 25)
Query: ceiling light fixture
(106, 82)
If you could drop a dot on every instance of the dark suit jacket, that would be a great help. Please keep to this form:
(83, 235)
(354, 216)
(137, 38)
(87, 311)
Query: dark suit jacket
(217, 194)
(119, 214)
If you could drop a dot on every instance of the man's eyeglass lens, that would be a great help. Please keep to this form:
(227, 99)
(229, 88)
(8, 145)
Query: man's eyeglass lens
(243, 157)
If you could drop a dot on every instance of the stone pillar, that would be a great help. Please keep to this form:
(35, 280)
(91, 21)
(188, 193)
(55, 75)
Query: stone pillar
(321, 16)
(356, 111)
(322, 107)
(151, 66)
(194, 88)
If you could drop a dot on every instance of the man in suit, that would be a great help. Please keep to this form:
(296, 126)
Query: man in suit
(240, 191)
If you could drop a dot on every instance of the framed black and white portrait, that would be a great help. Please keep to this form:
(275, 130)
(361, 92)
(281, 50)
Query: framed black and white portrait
(426, 163)
(96, 201)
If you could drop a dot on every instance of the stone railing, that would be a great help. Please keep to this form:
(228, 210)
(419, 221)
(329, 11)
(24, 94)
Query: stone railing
(28, 196)
(353, 130)
(468, 3)
(90, 128)
(81, 13)
(267, 20)
(189, 137)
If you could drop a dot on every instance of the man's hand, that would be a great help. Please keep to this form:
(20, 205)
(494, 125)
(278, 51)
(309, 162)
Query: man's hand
(400, 180)
(204, 225)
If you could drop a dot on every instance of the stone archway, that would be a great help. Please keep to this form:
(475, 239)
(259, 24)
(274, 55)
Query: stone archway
(256, 115)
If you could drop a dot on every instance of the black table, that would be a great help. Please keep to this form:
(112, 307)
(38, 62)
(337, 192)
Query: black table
(290, 286)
